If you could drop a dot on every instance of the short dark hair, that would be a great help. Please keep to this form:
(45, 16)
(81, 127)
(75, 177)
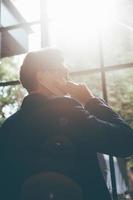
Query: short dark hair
(48, 58)
(54, 186)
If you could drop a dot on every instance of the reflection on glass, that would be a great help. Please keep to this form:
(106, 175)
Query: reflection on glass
(120, 173)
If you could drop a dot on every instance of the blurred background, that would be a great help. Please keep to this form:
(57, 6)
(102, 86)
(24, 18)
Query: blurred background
(96, 38)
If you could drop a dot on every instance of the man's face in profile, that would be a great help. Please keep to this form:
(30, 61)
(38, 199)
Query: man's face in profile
(55, 80)
(62, 73)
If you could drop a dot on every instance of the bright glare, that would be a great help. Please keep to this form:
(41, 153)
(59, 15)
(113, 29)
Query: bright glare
(79, 18)
(29, 9)
(73, 20)
(76, 25)
(82, 12)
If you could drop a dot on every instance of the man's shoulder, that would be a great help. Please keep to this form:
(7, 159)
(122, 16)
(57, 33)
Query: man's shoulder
(65, 100)
(8, 123)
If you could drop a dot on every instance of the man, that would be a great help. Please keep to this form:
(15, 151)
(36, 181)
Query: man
(50, 186)
(60, 127)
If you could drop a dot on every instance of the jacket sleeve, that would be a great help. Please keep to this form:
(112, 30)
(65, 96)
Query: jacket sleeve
(103, 129)
(101, 110)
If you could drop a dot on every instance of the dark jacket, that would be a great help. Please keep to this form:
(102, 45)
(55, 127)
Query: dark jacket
(58, 134)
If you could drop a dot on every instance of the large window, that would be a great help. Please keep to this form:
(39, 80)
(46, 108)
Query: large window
(96, 38)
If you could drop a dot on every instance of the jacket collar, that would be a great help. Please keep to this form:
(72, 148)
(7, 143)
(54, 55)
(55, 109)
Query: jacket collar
(33, 100)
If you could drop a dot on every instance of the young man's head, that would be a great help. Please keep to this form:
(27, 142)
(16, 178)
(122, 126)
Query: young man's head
(43, 70)
(50, 186)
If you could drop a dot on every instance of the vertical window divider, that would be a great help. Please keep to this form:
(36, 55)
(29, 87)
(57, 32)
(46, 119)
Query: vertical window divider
(105, 96)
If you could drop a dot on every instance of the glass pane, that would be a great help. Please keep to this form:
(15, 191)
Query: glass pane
(120, 173)
(79, 48)
(120, 97)
(73, 28)
(118, 41)
(125, 12)
(35, 38)
(10, 96)
(24, 10)
(118, 46)
(130, 175)
(120, 92)
(20, 40)
(9, 68)
(19, 11)
(8, 15)
(10, 100)
(92, 80)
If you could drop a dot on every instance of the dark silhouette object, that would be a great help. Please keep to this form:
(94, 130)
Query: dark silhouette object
(50, 186)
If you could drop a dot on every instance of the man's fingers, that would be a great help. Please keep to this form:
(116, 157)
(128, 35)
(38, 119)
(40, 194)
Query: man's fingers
(71, 84)
(72, 87)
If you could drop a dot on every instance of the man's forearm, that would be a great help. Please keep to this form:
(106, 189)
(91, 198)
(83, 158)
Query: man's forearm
(101, 110)
(110, 129)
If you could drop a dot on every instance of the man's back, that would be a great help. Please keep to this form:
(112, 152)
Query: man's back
(56, 134)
